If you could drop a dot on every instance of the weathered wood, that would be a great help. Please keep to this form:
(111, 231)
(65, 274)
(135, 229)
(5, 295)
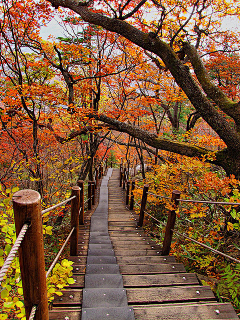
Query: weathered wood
(170, 224)
(80, 183)
(89, 195)
(152, 269)
(127, 192)
(153, 280)
(157, 287)
(169, 294)
(125, 260)
(124, 179)
(67, 313)
(71, 297)
(197, 311)
(96, 177)
(132, 196)
(121, 177)
(143, 205)
(101, 170)
(75, 207)
(27, 208)
(93, 193)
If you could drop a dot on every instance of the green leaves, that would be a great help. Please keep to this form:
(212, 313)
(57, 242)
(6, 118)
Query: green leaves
(229, 286)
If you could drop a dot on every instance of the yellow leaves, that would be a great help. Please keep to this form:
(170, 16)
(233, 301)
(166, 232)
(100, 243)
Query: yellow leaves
(47, 230)
(60, 278)
(230, 226)
(34, 179)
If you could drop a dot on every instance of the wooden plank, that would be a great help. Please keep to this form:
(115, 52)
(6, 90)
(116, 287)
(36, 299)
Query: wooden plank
(139, 246)
(69, 314)
(145, 252)
(121, 228)
(78, 260)
(121, 224)
(79, 269)
(82, 252)
(79, 281)
(169, 294)
(196, 311)
(126, 234)
(151, 280)
(133, 242)
(152, 269)
(124, 260)
(70, 297)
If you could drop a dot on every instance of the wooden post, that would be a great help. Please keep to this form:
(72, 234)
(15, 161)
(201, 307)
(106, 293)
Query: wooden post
(89, 195)
(111, 164)
(27, 208)
(132, 196)
(127, 193)
(121, 177)
(96, 178)
(101, 171)
(93, 193)
(106, 165)
(124, 178)
(170, 224)
(143, 205)
(75, 207)
(80, 183)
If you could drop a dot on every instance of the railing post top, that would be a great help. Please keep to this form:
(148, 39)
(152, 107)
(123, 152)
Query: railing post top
(26, 196)
(177, 192)
(80, 181)
(75, 188)
(176, 196)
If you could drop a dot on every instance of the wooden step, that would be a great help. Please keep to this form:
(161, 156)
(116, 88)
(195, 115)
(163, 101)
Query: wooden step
(196, 311)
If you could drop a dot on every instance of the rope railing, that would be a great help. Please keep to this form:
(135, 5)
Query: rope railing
(138, 187)
(58, 205)
(158, 196)
(210, 202)
(59, 253)
(33, 313)
(191, 239)
(162, 223)
(206, 246)
(175, 199)
(137, 203)
(13, 252)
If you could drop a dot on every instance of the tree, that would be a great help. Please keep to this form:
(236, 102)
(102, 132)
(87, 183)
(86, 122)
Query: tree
(181, 34)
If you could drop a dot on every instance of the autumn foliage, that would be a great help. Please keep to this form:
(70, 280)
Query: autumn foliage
(153, 84)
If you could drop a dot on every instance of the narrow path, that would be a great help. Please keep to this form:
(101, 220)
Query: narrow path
(120, 274)
(103, 295)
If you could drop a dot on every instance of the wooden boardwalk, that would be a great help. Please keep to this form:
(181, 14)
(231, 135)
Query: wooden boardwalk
(156, 286)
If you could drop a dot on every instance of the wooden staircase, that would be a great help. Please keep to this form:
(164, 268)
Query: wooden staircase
(156, 287)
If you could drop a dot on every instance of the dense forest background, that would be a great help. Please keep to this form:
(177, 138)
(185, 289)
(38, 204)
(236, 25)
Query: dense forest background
(152, 83)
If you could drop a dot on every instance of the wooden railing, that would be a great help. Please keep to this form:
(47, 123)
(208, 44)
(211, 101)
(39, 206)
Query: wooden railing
(29, 243)
(130, 186)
